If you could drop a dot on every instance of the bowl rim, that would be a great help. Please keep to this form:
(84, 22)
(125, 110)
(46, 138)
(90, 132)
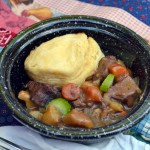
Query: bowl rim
(73, 134)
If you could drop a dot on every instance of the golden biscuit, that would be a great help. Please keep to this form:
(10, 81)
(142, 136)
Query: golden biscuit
(70, 58)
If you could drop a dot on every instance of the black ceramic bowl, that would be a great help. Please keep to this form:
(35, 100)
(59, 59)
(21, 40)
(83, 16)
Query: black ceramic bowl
(113, 38)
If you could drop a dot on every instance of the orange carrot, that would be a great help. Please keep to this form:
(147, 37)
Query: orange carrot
(92, 93)
(118, 70)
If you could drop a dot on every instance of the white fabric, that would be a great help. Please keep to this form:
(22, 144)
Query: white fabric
(27, 138)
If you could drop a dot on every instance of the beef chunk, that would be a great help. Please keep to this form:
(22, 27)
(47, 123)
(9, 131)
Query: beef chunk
(123, 90)
(102, 70)
(42, 93)
(82, 103)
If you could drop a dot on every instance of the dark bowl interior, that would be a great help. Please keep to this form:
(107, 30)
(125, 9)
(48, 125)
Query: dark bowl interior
(113, 38)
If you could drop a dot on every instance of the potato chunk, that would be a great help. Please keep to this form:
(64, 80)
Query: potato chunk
(116, 106)
(25, 96)
(52, 116)
(36, 114)
(77, 118)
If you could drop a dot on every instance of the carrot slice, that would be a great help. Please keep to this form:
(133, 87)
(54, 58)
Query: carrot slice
(92, 93)
(118, 70)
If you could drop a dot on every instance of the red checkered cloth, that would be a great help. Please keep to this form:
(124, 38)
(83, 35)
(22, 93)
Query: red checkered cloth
(74, 7)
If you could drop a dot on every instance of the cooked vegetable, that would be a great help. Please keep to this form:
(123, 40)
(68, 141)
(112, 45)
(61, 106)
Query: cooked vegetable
(92, 93)
(106, 84)
(116, 106)
(97, 112)
(77, 118)
(52, 116)
(70, 91)
(36, 114)
(118, 70)
(61, 104)
(25, 96)
(104, 98)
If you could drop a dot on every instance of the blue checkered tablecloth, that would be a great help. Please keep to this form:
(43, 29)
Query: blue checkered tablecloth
(143, 128)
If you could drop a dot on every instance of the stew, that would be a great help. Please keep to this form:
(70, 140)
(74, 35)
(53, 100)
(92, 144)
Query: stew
(105, 97)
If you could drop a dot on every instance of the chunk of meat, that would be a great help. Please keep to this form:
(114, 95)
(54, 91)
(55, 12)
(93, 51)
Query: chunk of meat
(122, 90)
(105, 113)
(77, 118)
(81, 103)
(102, 70)
(70, 91)
(42, 93)
(52, 116)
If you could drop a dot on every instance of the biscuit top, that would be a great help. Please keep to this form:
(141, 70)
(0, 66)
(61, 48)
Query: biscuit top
(70, 58)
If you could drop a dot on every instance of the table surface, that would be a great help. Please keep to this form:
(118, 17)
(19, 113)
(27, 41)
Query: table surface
(138, 8)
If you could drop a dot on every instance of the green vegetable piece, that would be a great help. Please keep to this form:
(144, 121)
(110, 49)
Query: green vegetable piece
(61, 104)
(107, 83)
